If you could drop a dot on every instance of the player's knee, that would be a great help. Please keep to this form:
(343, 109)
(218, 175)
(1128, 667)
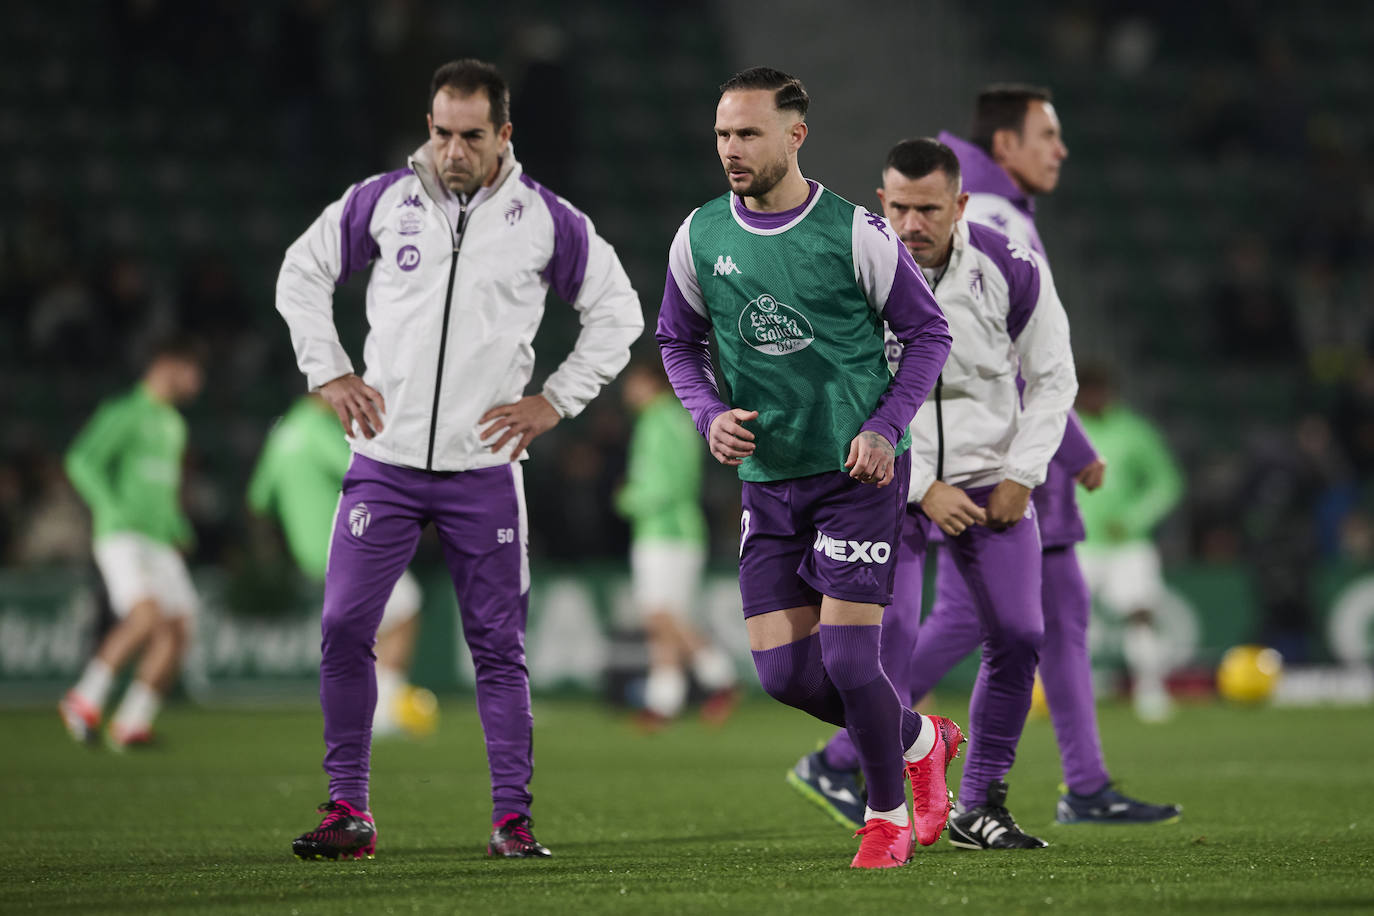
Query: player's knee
(784, 686)
(1019, 637)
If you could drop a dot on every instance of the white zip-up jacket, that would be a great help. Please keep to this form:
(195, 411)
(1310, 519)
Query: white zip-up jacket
(452, 310)
(1004, 314)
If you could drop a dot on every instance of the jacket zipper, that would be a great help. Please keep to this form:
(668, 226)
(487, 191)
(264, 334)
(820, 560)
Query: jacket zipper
(443, 333)
(939, 407)
(939, 431)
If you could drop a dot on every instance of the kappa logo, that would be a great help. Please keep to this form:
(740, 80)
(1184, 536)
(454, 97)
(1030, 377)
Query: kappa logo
(359, 517)
(847, 551)
(998, 220)
(411, 201)
(877, 222)
(408, 258)
(725, 266)
(775, 328)
(1021, 253)
(514, 212)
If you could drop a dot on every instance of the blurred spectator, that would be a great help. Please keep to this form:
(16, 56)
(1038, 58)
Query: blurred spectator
(1297, 487)
(55, 527)
(1252, 317)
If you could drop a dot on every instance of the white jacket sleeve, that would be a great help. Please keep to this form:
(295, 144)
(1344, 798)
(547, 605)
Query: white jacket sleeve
(611, 321)
(1051, 383)
(305, 297)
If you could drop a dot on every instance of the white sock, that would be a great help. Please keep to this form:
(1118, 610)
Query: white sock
(138, 708)
(94, 686)
(713, 669)
(924, 743)
(390, 683)
(897, 815)
(665, 691)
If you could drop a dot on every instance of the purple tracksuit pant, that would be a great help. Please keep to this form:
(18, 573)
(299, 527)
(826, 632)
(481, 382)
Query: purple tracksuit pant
(952, 631)
(1002, 571)
(479, 516)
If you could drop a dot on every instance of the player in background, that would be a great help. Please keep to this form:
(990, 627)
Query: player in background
(795, 283)
(1016, 152)
(463, 248)
(297, 481)
(127, 465)
(662, 500)
(977, 454)
(1120, 560)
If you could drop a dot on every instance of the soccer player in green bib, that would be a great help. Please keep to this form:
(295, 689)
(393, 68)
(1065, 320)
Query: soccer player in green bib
(297, 480)
(796, 284)
(126, 464)
(661, 499)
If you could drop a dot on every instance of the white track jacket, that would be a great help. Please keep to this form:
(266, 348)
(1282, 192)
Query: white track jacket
(452, 310)
(1003, 312)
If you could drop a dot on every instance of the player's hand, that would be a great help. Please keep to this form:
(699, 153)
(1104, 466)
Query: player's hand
(871, 459)
(1091, 476)
(730, 442)
(355, 402)
(527, 418)
(1007, 504)
(951, 509)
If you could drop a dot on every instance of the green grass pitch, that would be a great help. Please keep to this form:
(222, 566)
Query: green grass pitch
(1278, 818)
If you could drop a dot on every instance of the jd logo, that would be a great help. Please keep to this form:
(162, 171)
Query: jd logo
(359, 517)
(775, 328)
(408, 258)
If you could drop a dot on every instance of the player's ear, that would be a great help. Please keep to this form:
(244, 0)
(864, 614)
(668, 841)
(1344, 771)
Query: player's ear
(503, 134)
(1004, 143)
(960, 203)
(798, 134)
(882, 201)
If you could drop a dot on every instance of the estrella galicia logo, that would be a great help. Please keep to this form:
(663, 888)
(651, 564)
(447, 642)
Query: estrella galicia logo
(408, 258)
(774, 327)
(514, 212)
(359, 517)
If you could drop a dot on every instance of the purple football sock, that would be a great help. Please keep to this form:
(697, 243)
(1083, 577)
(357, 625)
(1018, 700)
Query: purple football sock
(794, 674)
(872, 711)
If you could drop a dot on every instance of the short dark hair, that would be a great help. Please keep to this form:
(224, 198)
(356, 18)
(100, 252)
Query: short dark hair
(467, 76)
(790, 93)
(919, 157)
(1003, 106)
(187, 348)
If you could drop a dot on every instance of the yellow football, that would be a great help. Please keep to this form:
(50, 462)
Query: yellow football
(1249, 674)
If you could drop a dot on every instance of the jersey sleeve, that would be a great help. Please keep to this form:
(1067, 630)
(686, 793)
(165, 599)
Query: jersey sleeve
(313, 266)
(1161, 481)
(1076, 451)
(262, 485)
(585, 272)
(895, 289)
(1039, 329)
(660, 472)
(684, 335)
(91, 455)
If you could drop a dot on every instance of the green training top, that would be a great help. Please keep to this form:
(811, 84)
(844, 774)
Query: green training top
(1142, 483)
(793, 292)
(126, 464)
(298, 477)
(662, 492)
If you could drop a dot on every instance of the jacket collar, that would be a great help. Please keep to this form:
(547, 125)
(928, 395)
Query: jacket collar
(421, 162)
(984, 176)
